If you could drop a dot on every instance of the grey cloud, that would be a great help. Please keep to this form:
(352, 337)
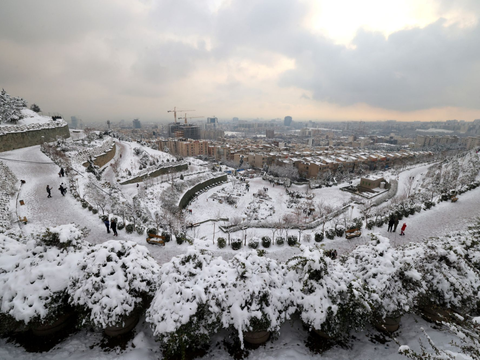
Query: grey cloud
(411, 70)
(32, 21)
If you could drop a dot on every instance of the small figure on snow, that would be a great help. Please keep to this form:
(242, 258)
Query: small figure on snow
(402, 230)
(49, 191)
(395, 224)
(62, 189)
(390, 224)
(62, 172)
(107, 224)
(113, 226)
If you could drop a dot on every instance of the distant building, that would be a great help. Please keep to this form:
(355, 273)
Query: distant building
(270, 134)
(136, 124)
(235, 119)
(188, 131)
(212, 122)
(74, 122)
(287, 121)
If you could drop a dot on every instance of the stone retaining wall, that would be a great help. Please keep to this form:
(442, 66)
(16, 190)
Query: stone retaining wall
(25, 136)
(189, 194)
(156, 173)
(104, 158)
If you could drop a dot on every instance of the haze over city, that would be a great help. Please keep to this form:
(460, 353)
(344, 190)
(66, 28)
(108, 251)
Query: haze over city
(313, 60)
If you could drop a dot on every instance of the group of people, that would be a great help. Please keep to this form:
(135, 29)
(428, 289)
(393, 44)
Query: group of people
(62, 187)
(393, 223)
(111, 225)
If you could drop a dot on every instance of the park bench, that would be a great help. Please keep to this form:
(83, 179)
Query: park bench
(352, 233)
(156, 239)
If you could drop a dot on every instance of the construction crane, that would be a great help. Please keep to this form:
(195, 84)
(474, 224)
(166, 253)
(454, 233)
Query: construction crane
(190, 117)
(175, 112)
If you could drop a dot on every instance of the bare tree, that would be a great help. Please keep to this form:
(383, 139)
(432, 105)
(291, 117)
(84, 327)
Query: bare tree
(96, 195)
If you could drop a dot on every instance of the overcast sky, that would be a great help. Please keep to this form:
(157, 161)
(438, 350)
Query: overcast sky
(313, 60)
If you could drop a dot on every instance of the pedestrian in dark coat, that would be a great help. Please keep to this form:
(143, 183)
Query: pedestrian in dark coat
(113, 226)
(395, 224)
(62, 172)
(62, 189)
(107, 224)
(49, 191)
(390, 224)
(402, 230)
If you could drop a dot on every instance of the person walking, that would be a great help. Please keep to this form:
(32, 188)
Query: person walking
(107, 225)
(395, 224)
(402, 230)
(113, 226)
(390, 224)
(62, 172)
(49, 191)
(62, 189)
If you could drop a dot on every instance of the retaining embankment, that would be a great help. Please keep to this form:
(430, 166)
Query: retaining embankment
(189, 194)
(104, 158)
(17, 137)
(156, 173)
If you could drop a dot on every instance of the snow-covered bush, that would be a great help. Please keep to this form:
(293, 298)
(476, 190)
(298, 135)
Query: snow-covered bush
(292, 240)
(370, 224)
(339, 230)
(120, 225)
(129, 228)
(221, 242)
(280, 240)
(253, 243)
(33, 282)
(152, 231)
(393, 282)
(116, 279)
(166, 236)
(319, 237)
(379, 221)
(64, 236)
(330, 233)
(184, 312)
(259, 297)
(266, 241)
(451, 281)
(139, 229)
(330, 298)
(236, 244)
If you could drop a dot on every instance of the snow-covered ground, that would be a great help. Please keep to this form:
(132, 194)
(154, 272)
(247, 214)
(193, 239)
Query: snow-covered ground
(38, 171)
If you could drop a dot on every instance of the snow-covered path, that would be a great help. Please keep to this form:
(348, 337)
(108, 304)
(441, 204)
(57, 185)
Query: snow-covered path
(38, 171)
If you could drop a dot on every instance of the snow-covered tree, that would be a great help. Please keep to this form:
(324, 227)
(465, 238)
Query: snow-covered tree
(115, 280)
(10, 108)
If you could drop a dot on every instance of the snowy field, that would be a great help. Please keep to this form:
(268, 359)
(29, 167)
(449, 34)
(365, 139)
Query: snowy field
(37, 170)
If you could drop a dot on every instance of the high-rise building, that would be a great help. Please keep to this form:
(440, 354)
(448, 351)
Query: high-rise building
(136, 124)
(287, 121)
(270, 133)
(74, 122)
(212, 122)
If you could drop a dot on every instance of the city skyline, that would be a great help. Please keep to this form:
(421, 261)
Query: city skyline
(312, 60)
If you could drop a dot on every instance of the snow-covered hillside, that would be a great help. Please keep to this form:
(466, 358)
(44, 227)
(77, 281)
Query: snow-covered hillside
(254, 211)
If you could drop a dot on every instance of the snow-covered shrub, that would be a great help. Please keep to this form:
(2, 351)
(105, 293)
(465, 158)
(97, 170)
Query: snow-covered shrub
(280, 240)
(258, 298)
(221, 242)
(120, 225)
(330, 298)
(428, 204)
(330, 233)
(64, 236)
(390, 275)
(152, 231)
(129, 228)
(319, 237)
(116, 279)
(370, 224)
(84, 204)
(94, 211)
(266, 241)
(292, 240)
(181, 238)
(379, 221)
(418, 208)
(166, 236)
(33, 282)
(412, 210)
(253, 243)
(139, 229)
(339, 230)
(451, 281)
(184, 312)
(236, 244)
(358, 222)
